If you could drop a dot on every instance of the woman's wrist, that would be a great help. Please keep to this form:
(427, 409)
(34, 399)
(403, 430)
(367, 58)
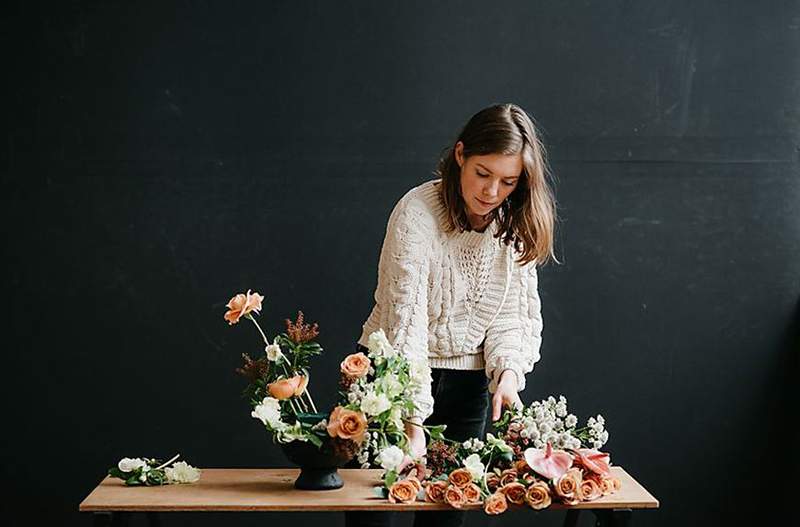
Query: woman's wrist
(509, 376)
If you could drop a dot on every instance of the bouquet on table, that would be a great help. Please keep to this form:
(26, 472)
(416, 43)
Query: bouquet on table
(537, 457)
(375, 397)
(151, 472)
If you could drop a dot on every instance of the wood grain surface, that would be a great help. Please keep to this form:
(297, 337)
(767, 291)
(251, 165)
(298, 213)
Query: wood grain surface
(225, 489)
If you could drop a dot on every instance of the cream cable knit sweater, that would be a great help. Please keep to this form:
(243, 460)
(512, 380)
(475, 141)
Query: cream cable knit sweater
(458, 300)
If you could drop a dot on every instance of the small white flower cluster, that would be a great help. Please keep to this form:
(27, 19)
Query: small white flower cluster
(473, 444)
(268, 411)
(597, 431)
(182, 472)
(548, 421)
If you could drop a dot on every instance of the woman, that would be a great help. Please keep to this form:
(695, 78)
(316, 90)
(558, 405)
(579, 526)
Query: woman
(458, 286)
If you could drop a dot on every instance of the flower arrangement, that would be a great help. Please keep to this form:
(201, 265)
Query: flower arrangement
(379, 385)
(538, 456)
(374, 397)
(150, 471)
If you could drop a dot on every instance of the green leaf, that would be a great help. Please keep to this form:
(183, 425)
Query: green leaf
(437, 432)
(315, 440)
(380, 492)
(390, 478)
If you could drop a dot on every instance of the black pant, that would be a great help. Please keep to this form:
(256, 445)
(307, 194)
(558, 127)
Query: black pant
(460, 401)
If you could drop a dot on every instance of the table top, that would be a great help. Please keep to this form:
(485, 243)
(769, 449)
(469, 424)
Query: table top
(272, 489)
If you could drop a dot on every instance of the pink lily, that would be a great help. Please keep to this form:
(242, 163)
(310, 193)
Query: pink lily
(547, 462)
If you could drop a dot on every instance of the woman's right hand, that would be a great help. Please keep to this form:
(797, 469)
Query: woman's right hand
(417, 448)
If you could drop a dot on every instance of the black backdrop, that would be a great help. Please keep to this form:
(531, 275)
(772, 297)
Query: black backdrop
(159, 158)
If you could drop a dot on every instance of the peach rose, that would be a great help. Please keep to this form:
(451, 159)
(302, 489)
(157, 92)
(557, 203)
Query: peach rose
(403, 491)
(242, 304)
(472, 493)
(454, 496)
(606, 486)
(509, 475)
(460, 477)
(521, 466)
(434, 491)
(492, 481)
(495, 504)
(415, 481)
(567, 486)
(528, 478)
(590, 490)
(515, 492)
(347, 424)
(355, 365)
(538, 495)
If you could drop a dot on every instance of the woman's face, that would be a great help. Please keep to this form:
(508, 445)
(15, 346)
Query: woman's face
(487, 180)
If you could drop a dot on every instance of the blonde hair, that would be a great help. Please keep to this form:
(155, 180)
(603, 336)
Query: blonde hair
(528, 216)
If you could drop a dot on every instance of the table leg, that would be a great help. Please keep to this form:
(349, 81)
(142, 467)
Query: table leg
(572, 518)
(613, 517)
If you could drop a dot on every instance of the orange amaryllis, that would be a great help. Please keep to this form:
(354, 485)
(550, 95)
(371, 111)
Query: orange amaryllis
(241, 305)
(547, 462)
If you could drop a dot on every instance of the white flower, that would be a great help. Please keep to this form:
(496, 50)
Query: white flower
(273, 350)
(475, 466)
(182, 472)
(127, 464)
(390, 458)
(379, 345)
(287, 433)
(269, 412)
(391, 385)
(473, 444)
(375, 404)
(396, 417)
(571, 421)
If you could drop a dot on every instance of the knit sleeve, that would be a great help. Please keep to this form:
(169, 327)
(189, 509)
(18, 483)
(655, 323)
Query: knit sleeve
(514, 338)
(403, 294)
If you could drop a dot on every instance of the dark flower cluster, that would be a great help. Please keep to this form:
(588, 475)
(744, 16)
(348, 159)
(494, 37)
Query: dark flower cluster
(300, 332)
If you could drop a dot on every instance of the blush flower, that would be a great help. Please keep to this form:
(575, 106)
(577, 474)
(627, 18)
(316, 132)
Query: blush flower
(403, 491)
(241, 305)
(347, 424)
(538, 496)
(547, 462)
(495, 504)
(355, 365)
(434, 491)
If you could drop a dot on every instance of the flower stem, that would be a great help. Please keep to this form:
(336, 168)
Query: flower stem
(259, 328)
(176, 456)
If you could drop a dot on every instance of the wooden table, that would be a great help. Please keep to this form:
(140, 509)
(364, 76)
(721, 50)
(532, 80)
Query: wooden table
(271, 489)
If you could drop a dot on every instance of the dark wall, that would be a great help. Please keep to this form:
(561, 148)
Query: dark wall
(159, 158)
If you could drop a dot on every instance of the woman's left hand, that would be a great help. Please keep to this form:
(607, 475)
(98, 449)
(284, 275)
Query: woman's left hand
(506, 394)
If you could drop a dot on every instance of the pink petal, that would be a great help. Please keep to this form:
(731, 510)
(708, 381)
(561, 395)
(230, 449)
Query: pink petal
(547, 462)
